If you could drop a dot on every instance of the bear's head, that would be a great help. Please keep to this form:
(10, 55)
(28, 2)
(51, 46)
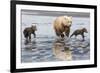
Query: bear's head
(85, 30)
(67, 22)
(34, 28)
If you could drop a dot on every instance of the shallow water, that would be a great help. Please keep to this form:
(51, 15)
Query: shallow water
(40, 49)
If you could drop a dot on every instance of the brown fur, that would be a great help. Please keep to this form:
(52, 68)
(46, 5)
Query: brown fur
(62, 26)
(28, 31)
(79, 32)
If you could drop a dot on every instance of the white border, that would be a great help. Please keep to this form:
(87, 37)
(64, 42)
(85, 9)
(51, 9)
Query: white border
(20, 65)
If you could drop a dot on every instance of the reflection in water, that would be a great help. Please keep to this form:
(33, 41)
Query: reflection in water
(26, 42)
(27, 48)
(50, 49)
(61, 51)
(30, 44)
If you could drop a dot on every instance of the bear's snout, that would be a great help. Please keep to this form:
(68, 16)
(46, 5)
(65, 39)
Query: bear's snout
(67, 26)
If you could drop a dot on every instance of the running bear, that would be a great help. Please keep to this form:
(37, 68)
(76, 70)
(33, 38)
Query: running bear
(28, 31)
(62, 26)
(79, 32)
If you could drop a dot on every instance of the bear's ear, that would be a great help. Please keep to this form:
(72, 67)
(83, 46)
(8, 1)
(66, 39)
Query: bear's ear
(34, 24)
(70, 17)
(65, 17)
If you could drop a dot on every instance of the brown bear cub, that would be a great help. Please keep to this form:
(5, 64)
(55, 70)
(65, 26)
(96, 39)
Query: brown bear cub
(79, 32)
(28, 31)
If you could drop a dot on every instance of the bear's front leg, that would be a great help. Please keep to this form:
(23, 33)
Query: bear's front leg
(58, 34)
(34, 35)
(67, 31)
(83, 37)
(30, 37)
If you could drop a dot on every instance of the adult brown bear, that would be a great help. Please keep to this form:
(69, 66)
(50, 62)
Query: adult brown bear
(79, 32)
(28, 31)
(62, 25)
